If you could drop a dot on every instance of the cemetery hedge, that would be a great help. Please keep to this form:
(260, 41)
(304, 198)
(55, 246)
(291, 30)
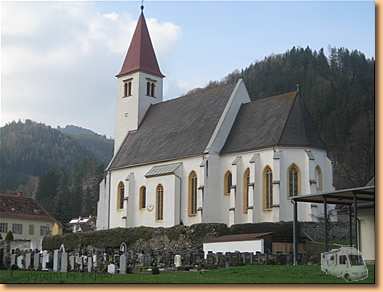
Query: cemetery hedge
(187, 237)
(139, 238)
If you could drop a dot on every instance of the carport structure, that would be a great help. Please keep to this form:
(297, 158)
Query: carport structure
(351, 197)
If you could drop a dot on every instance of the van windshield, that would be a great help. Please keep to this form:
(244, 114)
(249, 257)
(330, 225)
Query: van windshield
(356, 260)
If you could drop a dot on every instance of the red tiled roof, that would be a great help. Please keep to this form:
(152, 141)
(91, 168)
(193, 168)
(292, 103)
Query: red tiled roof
(15, 205)
(141, 55)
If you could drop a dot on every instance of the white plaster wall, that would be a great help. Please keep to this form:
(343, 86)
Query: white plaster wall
(135, 106)
(175, 195)
(367, 233)
(233, 246)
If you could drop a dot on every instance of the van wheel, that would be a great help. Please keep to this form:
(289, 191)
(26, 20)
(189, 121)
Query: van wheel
(347, 277)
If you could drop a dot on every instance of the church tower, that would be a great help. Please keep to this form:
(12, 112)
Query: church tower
(139, 83)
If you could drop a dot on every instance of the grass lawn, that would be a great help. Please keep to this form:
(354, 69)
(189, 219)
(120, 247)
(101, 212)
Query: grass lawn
(237, 275)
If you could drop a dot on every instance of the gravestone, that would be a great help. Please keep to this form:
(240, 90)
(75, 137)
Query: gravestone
(94, 261)
(55, 260)
(27, 260)
(45, 260)
(64, 262)
(111, 268)
(123, 264)
(78, 262)
(90, 266)
(36, 261)
(13, 260)
(71, 262)
(19, 261)
(177, 261)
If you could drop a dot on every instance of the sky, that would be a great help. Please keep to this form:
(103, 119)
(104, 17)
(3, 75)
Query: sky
(59, 59)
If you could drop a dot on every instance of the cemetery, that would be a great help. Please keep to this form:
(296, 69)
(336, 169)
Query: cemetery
(168, 255)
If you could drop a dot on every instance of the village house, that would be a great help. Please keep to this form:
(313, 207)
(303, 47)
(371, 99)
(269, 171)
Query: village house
(26, 219)
(212, 155)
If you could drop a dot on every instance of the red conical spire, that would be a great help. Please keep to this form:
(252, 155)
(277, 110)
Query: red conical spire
(141, 56)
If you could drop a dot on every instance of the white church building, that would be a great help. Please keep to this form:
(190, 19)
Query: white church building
(211, 156)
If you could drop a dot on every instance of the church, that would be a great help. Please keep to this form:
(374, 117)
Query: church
(214, 155)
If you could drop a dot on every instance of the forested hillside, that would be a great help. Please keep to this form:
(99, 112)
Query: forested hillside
(339, 91)
(100, 146)
(55, 168)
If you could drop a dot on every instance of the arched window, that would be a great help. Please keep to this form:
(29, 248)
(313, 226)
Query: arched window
(319, 178)
(267, 188)
(142, 201)
(294, 181)
(152, 89)
(246, 182)
(160, 202)
(120, 195)
(227, 183)
(148, 88)
(192, 193)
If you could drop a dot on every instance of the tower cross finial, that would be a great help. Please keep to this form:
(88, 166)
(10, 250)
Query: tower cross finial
(142, 6)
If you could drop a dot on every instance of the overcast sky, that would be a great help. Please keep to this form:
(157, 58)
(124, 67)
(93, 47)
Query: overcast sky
(58, 60)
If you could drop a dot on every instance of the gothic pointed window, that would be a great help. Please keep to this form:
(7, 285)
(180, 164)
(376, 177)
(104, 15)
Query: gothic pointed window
(267, 188)
(127, 87)
(120, 195)
(227, 183)
(159, 202)
(192, 194)
(293, 180)
(142, 200)
(319, 178)
(246, 182)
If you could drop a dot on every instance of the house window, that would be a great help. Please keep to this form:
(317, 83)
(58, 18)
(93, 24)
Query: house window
(293, 181)
(31, 229)
(246, 182)
(3, 227)
(319, 178)
(127, 88)
(192, 193)
(160, 202)
(227, 183)
(44, 230)
(17, 228)
(142, 200)
(120, 195)
(267, 188)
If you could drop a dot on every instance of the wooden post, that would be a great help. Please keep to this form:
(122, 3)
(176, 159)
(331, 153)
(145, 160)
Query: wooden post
(325, 225)
(356, 220)
(350, 222)
(295, 233)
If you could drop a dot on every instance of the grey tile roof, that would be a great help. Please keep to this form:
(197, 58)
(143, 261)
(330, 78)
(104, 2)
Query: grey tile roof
(174, 129)
(277, 120)
(163, 169)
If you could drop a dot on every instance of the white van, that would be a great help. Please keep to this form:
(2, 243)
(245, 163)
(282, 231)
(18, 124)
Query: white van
(345, 262)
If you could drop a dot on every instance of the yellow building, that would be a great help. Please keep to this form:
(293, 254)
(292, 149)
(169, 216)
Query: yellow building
(26, 219)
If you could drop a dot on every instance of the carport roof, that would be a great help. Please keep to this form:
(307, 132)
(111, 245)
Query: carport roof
(341, 197)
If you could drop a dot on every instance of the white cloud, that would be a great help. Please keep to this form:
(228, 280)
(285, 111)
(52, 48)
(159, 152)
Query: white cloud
(59, 59)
